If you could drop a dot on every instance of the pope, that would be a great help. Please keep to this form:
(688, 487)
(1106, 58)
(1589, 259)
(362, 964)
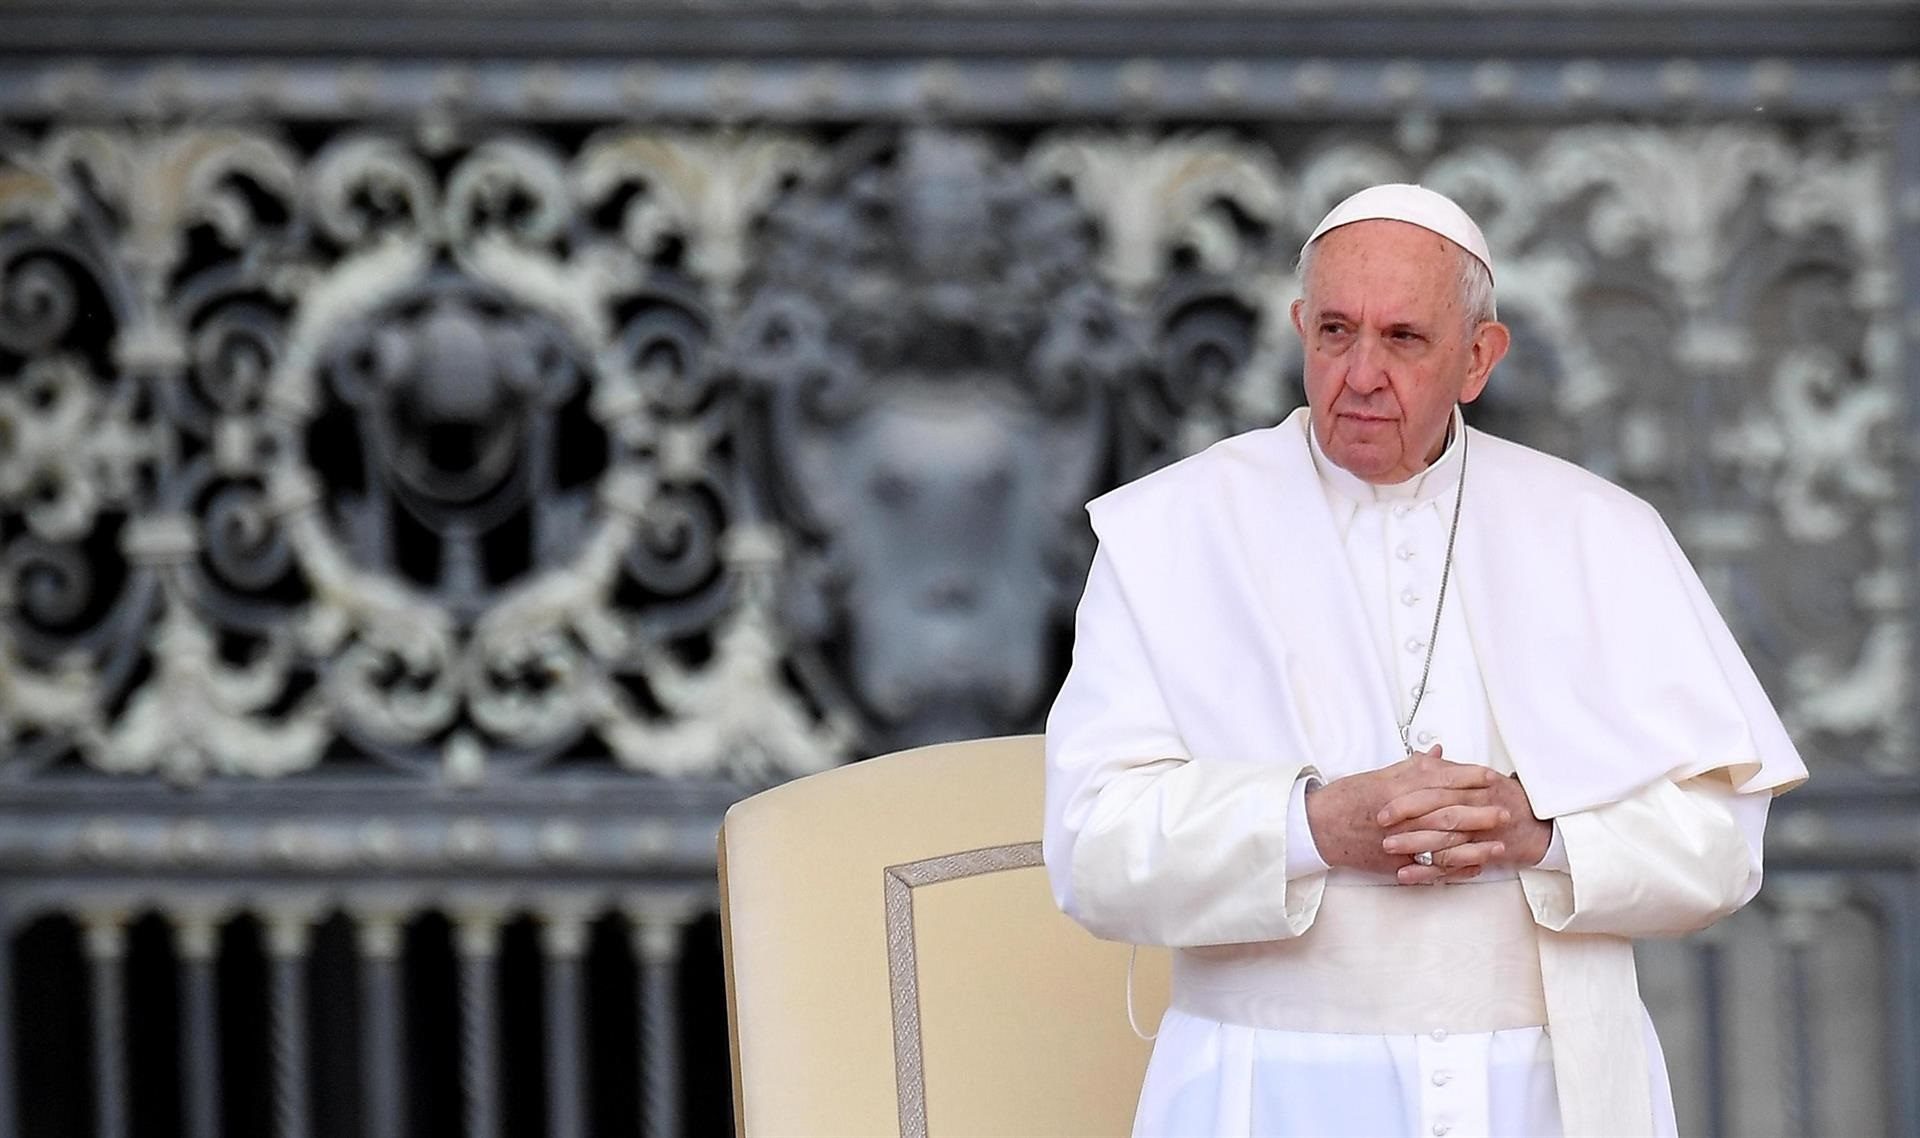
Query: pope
(1398, 733)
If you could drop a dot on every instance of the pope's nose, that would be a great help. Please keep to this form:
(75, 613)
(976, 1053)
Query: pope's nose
(1365, 371)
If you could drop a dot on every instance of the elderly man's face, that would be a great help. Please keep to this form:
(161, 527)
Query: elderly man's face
(1388, 347)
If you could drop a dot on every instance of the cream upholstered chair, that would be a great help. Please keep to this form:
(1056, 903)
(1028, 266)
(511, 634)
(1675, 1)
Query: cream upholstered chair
(895, 962)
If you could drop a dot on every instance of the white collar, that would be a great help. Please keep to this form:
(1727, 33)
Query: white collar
(1425, 486)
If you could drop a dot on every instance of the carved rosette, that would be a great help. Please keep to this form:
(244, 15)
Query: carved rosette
(371, 455)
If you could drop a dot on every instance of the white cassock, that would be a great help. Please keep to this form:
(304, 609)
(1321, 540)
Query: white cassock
(1257, 617)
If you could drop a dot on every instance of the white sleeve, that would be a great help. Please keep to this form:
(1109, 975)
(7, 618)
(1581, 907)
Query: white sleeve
(1303, 854)
(1670, 859)
(1556, 856)
(1143, 842)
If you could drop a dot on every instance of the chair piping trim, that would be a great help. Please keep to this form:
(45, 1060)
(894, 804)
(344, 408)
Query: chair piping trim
(903, 975)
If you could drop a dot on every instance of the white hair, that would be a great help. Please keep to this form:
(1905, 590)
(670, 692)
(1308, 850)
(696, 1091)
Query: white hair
(1473, 280)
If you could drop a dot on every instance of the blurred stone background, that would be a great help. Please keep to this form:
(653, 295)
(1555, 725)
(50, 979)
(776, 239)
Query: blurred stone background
(450, 451)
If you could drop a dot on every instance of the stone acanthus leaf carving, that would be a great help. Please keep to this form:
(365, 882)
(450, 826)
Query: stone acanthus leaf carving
(1829, 433)
(705, 189)
(1816, 438)
(1153, 194)
(363, 186)
(1847, 193)
(1668, 192)
(32, 197)
(1863, 696)
(512, 187)
(200, 716)
(62, 697)
(164, 184)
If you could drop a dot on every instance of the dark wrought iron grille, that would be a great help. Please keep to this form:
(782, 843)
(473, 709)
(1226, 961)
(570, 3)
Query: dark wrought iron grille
(461, 1025)
(441, 469)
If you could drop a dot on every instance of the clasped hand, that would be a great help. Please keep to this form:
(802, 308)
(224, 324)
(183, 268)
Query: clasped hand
(1466, 815)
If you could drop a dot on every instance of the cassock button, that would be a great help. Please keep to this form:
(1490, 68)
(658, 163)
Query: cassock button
(1403, 553)
(1442, 1078)
(1414, 644)
(1439, 1035)
(1427, 737)
(1400, 511)
(1441, 1130)
(1409, 597)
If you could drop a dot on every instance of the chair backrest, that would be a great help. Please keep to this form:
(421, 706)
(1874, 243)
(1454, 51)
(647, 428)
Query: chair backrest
(895, 961)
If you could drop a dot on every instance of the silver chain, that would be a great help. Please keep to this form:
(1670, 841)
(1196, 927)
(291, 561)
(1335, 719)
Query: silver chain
(1446, 571)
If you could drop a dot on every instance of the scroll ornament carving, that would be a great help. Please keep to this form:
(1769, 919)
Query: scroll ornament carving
(333, 404)
(731, 453)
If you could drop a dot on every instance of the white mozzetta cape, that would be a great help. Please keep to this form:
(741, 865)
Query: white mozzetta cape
(1231, 653)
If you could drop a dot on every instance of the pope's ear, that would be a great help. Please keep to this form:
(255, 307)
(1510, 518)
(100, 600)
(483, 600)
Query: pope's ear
(1490, 343)
(1299, 305)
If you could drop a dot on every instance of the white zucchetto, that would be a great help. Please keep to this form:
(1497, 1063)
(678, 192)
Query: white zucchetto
(1415, 205)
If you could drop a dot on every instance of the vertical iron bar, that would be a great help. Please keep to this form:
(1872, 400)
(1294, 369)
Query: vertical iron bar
(657, 924)
(106, 944)
(477, 940)
(563, 942)
(1805, 904)
(287, 938)
(1801, 1056)
(1714, 1036)
(198, 936)
(382, 1056)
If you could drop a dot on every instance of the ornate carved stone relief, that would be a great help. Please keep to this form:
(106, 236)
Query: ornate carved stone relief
(742, 451)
